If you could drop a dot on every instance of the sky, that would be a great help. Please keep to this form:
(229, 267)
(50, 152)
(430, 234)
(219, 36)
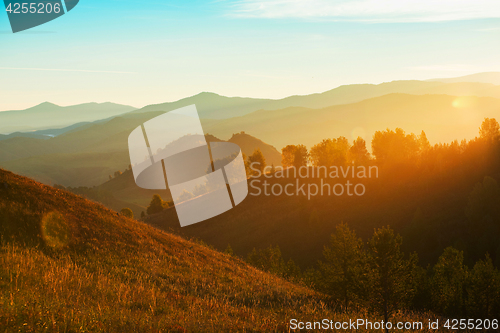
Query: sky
(146, 52)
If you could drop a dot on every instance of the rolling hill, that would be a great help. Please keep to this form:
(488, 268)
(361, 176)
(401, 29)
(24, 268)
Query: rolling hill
(214, 106)
(70, 264)
(50, 116)
(444, 118)
(88, 154)
(121, 191)
(249, 144)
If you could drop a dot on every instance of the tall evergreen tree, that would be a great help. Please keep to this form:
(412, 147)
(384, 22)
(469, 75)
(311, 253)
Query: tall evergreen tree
(344, 269)
(256, 162)
(483, 290)
(448, 282)
(391, 285)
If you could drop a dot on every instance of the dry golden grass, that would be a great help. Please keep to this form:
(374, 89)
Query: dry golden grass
(70, 265)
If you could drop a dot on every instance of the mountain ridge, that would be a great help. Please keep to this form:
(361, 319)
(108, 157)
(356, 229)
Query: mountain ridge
(484, 77)
(444, 118)
(51, 116)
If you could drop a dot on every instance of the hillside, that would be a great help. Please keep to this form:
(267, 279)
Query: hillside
(444, 118)
(428, 199)
(248, 144)
(211, 105)
(85, 154)
(121, 191)
(48, 115)
(77, 266)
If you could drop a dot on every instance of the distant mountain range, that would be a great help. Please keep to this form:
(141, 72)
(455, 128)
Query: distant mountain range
(88, 154)
(51, 116)
(488, 77)
(81, 145)
(444, 118)
(213, 106)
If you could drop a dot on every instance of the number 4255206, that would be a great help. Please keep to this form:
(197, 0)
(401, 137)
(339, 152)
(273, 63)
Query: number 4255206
(33, 8)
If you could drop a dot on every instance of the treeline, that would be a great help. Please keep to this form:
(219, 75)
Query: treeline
(455, 185)
(377, 275)
(392, 147)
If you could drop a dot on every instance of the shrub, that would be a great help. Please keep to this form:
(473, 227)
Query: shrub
(127, 212)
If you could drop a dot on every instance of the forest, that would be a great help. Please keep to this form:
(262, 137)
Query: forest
(380, 273)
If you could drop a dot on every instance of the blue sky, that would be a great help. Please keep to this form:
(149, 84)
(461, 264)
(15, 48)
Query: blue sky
(144, 52)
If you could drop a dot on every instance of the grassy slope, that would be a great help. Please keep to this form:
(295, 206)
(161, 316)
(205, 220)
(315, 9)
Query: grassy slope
(128, 194)
(103, 272)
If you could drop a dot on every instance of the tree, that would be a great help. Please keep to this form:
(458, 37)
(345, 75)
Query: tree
(270, 260)
(288, 156)
(423, 143)
(156, 206)
(127, 212)
(358, 152)
(294, 156)
(229, 250)
(331, 152)
(448, 282)
(344, 267)
(490, 129)
(483, 290)
(483, 199)
(483, 210)
(394, 146)
(391, 284)
(143, 215)
(256, 162)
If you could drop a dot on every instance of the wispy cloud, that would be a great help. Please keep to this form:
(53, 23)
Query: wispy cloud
(368, 10)
(63, 70)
